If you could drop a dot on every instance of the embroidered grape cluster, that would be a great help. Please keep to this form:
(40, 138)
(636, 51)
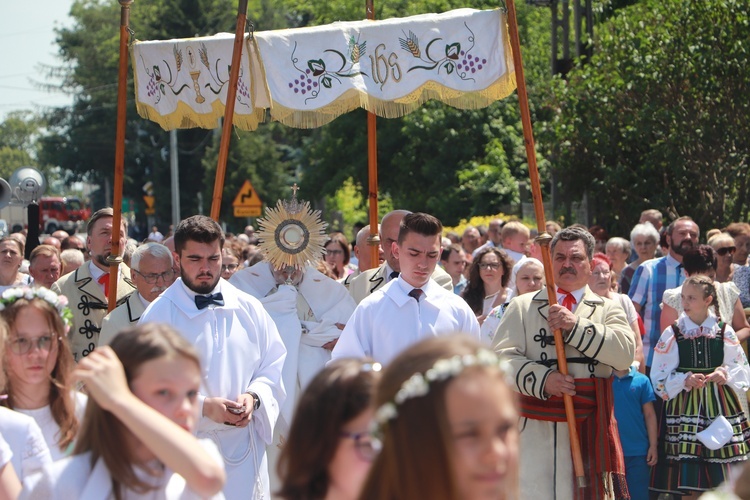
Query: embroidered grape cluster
(242, 89)
(151, 88)
(303, 84)
(471, 63)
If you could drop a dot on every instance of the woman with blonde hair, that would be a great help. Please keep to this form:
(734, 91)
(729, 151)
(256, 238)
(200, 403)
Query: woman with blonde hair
(448, 423)
(38, 365)
(136, 438)
(527, 277)
(723, 245)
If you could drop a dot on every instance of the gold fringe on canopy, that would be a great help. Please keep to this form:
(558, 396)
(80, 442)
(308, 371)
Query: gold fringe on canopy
(185, 117)
(353, 99)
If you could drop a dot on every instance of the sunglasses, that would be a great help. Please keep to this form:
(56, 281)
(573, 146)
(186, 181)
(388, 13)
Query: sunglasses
(726, 250)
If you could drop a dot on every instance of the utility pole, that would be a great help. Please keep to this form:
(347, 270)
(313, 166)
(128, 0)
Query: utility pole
(560, 58)
(175, 171)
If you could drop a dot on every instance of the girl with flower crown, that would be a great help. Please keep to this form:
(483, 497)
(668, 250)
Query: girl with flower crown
(697, 369)
(38, 365)
(448, 423)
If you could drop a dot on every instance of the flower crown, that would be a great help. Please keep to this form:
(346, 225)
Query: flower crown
(418, 385)
(59, 302)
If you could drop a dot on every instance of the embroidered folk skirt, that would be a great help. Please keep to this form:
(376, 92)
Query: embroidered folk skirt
(689, 465)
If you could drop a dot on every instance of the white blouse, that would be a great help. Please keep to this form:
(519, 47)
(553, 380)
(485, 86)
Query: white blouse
(668, 382)
(50, 428)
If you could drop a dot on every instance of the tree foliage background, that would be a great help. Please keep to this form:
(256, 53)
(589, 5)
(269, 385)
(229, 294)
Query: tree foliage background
(656, 118)
(659, 117)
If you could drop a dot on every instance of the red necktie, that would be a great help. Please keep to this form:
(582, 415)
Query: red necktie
(104, 280)
(568, 300)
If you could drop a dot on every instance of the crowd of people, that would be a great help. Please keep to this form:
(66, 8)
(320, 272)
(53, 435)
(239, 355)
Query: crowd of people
(431, 372)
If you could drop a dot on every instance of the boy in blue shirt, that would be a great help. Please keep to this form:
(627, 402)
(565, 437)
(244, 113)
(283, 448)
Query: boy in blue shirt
(636, 422)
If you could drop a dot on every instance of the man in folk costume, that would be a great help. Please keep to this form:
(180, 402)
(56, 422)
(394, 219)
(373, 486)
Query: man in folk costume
(597, 339)
(87, 288)
(309, 308)
(374, 279)
(241, 356)
(151, 268)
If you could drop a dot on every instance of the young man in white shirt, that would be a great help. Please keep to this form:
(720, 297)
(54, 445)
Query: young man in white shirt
(410, 307)
(241, 356)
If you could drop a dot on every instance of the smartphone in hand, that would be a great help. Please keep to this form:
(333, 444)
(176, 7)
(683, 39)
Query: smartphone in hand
(237, 411)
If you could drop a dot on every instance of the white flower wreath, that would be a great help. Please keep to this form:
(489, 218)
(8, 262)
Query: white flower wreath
(418, 385)
(59, 302)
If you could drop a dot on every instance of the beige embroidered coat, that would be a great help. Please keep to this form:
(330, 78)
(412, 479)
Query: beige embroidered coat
(89, 306)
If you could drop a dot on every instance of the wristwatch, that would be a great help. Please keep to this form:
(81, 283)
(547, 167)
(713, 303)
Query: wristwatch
(256, 405)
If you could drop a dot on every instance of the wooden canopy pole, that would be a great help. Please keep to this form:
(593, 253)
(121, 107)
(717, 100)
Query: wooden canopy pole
(544, 238)
(114, 258)
(226, 133)
(372, 169)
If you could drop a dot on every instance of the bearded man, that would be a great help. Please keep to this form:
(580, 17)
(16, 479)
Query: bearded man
(656, 275)
(87, 288)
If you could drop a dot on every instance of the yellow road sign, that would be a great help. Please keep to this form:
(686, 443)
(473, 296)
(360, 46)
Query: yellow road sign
(247, 198)
(247, 211)
(150, 210)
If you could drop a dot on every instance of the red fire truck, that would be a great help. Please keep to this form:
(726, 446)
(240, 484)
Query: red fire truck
(56, 213)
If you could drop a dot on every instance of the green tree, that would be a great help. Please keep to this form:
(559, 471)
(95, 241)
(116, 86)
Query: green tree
(254, 156)
(659, 116)
(18, 133)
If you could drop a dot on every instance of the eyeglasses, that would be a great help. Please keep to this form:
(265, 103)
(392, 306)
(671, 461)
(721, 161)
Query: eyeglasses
(334, 252)
(726, 250)
(22, 345)
(153, 278)
(489, 265)
(366, 446)
(229, 267)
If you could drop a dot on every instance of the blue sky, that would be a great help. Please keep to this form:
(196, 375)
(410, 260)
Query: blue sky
(27, 40)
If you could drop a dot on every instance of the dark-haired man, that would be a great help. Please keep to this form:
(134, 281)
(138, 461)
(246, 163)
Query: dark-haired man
(371, 280)
(241, 355)
(410, 307)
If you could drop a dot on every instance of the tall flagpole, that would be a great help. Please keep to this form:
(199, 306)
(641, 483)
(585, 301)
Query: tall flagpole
(372, 169)
(114, 258)
(544, 238)
(226, 133)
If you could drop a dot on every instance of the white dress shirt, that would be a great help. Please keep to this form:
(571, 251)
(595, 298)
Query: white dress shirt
(389, 321)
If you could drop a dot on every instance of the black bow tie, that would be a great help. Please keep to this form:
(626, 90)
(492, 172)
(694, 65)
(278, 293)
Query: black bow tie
(203, 301)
